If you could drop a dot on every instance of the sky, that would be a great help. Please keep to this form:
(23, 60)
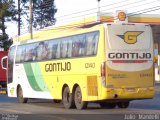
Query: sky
(71, 10)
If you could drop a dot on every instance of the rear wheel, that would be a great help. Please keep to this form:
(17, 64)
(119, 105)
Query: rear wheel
(123, 104)
(78, 99)
(107, 105)
(67, 99)
(21, 99)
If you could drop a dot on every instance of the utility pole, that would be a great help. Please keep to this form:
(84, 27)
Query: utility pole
(30, 21)
(98, 12)
(19, 18)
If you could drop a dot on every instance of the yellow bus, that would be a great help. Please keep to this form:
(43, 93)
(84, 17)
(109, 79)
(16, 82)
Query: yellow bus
(107, 63)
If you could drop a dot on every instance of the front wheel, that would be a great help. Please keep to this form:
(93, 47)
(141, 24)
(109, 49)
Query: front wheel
(78, 99)
(123, 104)
(21, 99)
(67, 99)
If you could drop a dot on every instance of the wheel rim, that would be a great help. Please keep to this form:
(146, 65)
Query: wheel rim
(20, 94)
(21, 99)
(79, 97)
(66, 96)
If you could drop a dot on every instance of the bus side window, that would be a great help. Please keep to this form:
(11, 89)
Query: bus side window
(50, 44)
(69, 48)
(78, 45)
(91, 43)
(30, 53)
(96, 38)
(82, 45)
(18, 54)
(42, 51)
(75, 48)
(54, 48)
(58, 50)
(63, 48)
(89, 50)
(22, 54)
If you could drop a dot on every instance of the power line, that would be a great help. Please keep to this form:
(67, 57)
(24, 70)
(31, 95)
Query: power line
(69, 15)
(81, 16)
(133, 6)
(96, 8)
(131, 14)
(145, 10)
(78, 25)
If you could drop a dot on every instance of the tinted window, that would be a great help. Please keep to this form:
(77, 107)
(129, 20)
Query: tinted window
(73, 46)
(10, 63)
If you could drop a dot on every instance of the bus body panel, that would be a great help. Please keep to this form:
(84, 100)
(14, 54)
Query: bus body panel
(53, 81)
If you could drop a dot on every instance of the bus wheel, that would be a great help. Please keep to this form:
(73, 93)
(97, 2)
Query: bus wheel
(67, 99)
(107, 105)
(78, 99)
(20, 96)
(123, 104)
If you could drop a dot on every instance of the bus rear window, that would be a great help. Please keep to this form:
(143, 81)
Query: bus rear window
(129, 37)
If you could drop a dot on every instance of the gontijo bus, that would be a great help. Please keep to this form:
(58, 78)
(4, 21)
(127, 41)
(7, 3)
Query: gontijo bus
(107, 63)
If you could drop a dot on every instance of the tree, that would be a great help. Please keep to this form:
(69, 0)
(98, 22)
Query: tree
(43, 12)
(7, 13)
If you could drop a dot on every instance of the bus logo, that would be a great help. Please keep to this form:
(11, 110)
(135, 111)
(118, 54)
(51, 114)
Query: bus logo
(121, 16)
(130, 37)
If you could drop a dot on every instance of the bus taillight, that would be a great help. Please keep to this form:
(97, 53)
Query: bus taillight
(103, 69)
(103, 73)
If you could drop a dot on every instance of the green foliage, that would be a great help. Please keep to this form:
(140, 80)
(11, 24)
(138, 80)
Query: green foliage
(7, 13)
(5, 42)
(8, 10)
(43, 12)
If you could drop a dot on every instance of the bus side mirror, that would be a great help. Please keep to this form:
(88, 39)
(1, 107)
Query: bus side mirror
(4, 62)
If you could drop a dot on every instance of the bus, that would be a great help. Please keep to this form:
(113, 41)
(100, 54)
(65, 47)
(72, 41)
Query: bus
(106, 63)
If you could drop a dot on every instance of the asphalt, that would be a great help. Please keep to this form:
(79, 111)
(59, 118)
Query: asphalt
(157, 86)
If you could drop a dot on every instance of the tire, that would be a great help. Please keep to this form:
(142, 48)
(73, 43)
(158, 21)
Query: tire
(67, 99)
(107, 105)
(78, 99)
(21, 99)
(123, 104)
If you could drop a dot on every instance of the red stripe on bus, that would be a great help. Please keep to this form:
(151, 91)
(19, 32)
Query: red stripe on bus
(129, 61)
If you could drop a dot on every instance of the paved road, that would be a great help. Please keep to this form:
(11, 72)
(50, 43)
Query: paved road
(47, 110)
